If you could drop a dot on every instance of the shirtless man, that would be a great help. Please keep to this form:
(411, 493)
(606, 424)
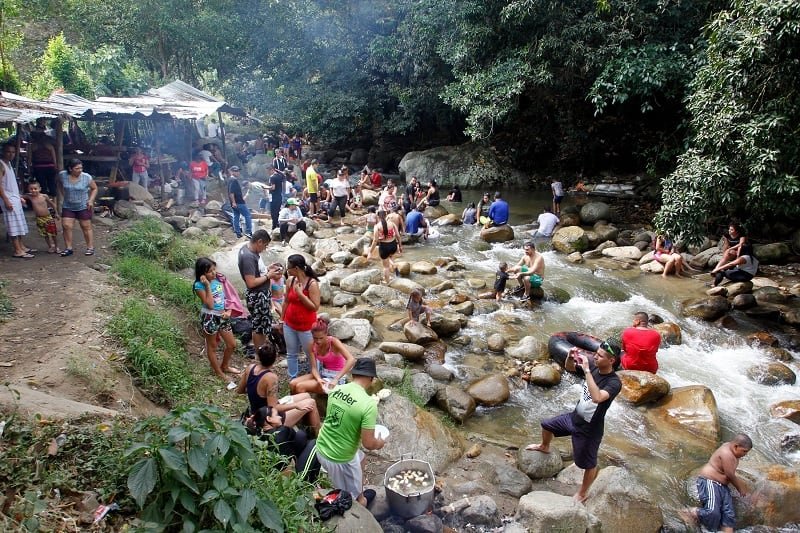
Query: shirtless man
(530, 268)
(717, 512)
(396, 217)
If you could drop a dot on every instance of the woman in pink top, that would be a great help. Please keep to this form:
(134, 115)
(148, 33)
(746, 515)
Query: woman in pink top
(330, 362)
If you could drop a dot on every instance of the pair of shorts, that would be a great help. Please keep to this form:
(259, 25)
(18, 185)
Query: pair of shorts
(83, 214)
(387, 249)
(329, 375)
(312, 197)
(212, 324)
(47, 226)
(557, 199)
(345, 476)
(717, 505)
(584, 447)
(259, 304)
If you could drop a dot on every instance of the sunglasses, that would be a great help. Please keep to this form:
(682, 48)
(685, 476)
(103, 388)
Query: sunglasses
(608, 348)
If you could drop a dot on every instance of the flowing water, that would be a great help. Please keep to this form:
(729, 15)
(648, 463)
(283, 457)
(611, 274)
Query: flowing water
(603, 301)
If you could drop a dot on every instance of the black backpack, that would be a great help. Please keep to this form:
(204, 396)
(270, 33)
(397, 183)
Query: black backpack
(337, 501)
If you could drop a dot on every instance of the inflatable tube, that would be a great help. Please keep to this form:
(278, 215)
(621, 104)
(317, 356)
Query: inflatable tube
(562, 342)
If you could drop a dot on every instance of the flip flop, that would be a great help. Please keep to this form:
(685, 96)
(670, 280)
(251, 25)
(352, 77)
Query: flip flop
(369, 495)
(24, 256)
(89, 251)
(66, 252)
(31, 251)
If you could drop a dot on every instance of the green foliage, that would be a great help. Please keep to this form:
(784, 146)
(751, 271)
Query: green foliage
(195, 468)
(152, 239)
(407, 389)
(115, 74)
(156, 350)
(153, 278)
(61, 68)
(743, 153)
(6, 305)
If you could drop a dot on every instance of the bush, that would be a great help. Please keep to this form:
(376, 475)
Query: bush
(147, 275)
(155, 240)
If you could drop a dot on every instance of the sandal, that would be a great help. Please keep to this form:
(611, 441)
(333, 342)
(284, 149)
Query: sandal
(66, 252)
(24, 256)
(89, 251)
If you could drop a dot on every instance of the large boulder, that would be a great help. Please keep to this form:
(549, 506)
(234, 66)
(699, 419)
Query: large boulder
(623, 252)
(548, 511)
(570, 239)
(359, 282)
(423, 267)
(594, 212)
(709, 308)
(417, 333)
(640, 387)
(138, 193)
(362, 331)
(457, 403)
(623, 503)
(379, 294)
(502, 233)
(447, 323)
(423, 386)
(705, 258)
(772, 499)
(324, 248)
(470, 166)
(406, 285)
(538, 465)
(357, 519)
(773, 253)
(605, 232)
(491, 390)
(369, 197)
(670, 333)
(788, 409)
(125, 210)
(409, 351)
(450, 219)
(686, 417)
(528, 349)
(544, 375)
(432, 212)
(772, 373)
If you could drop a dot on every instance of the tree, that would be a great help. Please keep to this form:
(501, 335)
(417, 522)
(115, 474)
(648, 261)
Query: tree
(10, 39)
(61, 68)
(743, 153)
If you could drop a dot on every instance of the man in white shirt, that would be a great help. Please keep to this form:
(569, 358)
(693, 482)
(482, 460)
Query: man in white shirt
(547, 223)
(290, 219)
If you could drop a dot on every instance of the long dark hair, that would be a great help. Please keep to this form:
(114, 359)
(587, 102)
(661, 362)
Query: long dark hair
(202, 266)
(382, 217)
(297, 260)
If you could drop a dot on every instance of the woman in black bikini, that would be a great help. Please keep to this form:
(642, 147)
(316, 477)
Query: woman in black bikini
(387, 239)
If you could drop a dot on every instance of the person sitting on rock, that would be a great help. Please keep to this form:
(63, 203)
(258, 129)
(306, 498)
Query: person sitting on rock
(732, 243)
(498, 212)
(665, 254)
(469, 216)
(640, 344)
(742, 268)
(290, 219)
(416, 225)
(416, 307)
(547, 223)
(530, 269)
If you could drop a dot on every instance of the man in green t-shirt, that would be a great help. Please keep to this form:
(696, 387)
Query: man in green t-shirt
(350, 421)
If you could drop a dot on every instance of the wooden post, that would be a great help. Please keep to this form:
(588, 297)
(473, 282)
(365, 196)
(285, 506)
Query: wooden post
(16, 159)
(160, 163)
(60, 148)
(222, 131)
(119, 131)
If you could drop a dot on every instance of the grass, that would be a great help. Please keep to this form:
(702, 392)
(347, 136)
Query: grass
(407, 389)
(101, 388)
(153, 239)
(6, 307)
(147, 276)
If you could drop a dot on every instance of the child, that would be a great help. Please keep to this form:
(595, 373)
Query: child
(41, 205)
(500, 279)
(277, 286)
(416, 307)
(214, 318)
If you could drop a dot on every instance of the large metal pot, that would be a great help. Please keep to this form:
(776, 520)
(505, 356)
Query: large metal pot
(414, 504)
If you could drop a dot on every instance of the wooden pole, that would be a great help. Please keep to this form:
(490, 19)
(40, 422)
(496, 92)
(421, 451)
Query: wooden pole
(59, 143)
(224, 151)
(119, 131)
(160, 163)
(16, 159)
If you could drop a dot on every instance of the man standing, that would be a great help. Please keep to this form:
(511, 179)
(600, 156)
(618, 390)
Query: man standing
(498, 211)
(256, 279)
(277, 183)
(530, 268)
(14, 216)
(312, 186)
(547, 223)
(640, 344)
(290, 219)
(586, 423)
(279, 161)
(558, 194)
(238, 204)
(350, 421)
(712, 486)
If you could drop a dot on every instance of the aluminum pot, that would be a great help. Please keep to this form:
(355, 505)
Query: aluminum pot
(414, 504)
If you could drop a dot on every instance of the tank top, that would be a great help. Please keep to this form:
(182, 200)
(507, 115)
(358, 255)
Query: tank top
(256, 401)
(389, 235)
(331, 360)
(433, 199)
(76, 195)
(298, 316)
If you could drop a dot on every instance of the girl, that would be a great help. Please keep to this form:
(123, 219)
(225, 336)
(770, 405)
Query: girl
(333, 358)
(416, 307)
(470, 215)
(277, 286)
(665, 254)
(387, 239)
(299, 309)
(214, 318)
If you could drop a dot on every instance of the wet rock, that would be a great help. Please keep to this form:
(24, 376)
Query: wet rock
(788, 409)
(544, 375)
(570, 218)
(405, 285)
(791, 317)
(359, 282)
(686, 416)
(575, 257)
(670, 333)
(411, 352)
(739, 287)
(423, 267)
(570, 239)
(502, 233)
(771, 373)
(379, 294)
(557, 294)
(432, 212)
(476, 283)
(538, 465)
(341, 299)
(404, 267)
(417, 333)
(443, 286)
(743, 301)
(616, 488)
(653, 267)
(464, 308)
(640, 387)
(363, 312)
(762, 338)
(766, 311)
(496, 342)
(623, 252)
(482, 511)
(446, 323)
(772, 295)
(423, 386)
(548, 511)
(458, 299)
(773, 253)
(359, 262)
(773, 496)
(606, 232)
(435, 351)
(706, 258)
(457, 403)
(491, 390)
(790, 443)
(710, 308)
(528, 349)
(779, 354)
(439, 372)
(450, 219)
(717, 291)
(595, 211)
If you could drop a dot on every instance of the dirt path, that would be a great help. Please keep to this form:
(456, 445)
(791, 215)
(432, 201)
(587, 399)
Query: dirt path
(54, 354)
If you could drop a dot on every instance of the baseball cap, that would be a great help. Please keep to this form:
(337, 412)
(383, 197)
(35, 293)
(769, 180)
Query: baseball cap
(234, 168)
(611, 345)
(291, 201)
(364, 367)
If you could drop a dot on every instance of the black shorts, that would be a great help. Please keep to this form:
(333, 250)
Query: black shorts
(584, 447)
(260, 306)
(312, 197)
(557, 199)
(387, 249)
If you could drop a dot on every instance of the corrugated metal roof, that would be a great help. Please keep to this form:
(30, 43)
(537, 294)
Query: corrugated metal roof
(16, 108)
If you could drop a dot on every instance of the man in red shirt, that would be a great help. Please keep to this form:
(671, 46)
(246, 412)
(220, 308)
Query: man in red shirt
(640, 344)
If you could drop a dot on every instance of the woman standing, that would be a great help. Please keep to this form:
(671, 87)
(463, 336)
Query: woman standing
(340, 187)
(299, 309)
(214, 318)
(334, 360)
(387, 239)
(79, 191)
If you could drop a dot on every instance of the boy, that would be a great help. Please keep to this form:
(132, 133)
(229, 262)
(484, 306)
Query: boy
(500, 279)
(41, 205)
(558, 195)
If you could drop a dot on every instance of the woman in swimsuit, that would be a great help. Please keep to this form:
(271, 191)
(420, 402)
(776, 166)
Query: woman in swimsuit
(260, 384)
(330, 362)
(732, 244)
(387, 239)
(214, 318)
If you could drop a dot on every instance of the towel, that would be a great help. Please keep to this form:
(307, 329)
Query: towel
(232, 301)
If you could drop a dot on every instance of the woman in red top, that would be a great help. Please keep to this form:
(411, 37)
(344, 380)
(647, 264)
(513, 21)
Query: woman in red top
(299, 309)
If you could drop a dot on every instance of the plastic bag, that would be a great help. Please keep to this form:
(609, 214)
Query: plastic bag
(335, 502)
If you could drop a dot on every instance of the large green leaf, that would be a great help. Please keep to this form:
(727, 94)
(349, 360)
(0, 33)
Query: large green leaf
(245, 503)
(142, 479)
(223, 512)
(173, 459)
(198, 461)
(269, 515)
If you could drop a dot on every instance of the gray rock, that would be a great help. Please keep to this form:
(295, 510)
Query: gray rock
(773, 253)
(390, 375)
(465, 308)
(177, 222)
(482, 511)
(423, 267)
(545, 375)
(423, 385)
(502, 233)
(325, 291)
(496, 342)
(433, 212)
(359, 282)
(623, 252)
(427, 523)
(491, 390)
(706, 258)
(744, 301)
(538, 465)
(445, 324)
(138, 193)
(547, 511)
(614, 489)
(595, 211)
(380, 505)
(342, 258)
(192, 232)
(379, 294)
(512, 481)
(357, 519)
(739, 287)
(458, 404)
(341, 299)
(439, 372)
(575, 257)
(406, 285)
(528, 349)
(417, 333)
(125, 210)
(341, 329)
(411, 352)
(570, 239)
(710, 308)
(771, 295)
(325, 248)
(772, 373)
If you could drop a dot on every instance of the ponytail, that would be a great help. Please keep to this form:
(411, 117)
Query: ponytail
(320, 325)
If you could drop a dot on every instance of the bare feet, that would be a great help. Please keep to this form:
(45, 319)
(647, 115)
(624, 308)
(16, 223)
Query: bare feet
(580, 498)
(232, 370)
(538, 448)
